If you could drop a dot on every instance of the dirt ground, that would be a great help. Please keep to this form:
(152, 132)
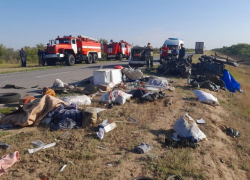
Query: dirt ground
(220, 157)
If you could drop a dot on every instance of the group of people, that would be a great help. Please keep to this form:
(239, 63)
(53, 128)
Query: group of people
(175, 54)
(41, 57)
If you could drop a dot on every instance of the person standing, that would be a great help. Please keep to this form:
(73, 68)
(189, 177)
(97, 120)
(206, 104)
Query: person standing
(39, 54)
(182, 52)
(164, 50)
(175, 53)
(23, 57)
(43, 58)
(149, 56)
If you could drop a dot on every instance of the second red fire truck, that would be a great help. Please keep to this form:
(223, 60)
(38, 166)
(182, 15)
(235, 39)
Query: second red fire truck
(117, 50)
(72, 50)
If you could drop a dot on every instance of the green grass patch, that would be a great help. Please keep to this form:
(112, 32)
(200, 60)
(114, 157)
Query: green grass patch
(4, 133)
(176, 161)
(6, 110)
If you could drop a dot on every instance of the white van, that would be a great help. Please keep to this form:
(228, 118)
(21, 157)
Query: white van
(172, 42)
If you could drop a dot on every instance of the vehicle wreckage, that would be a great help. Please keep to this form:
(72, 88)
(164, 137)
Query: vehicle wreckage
(181, 67)
(205, 74)
(209, 71)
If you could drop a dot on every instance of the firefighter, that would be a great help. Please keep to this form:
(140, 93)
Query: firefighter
(174, 53)
(149, 56)
(182, 52)
(23, 57)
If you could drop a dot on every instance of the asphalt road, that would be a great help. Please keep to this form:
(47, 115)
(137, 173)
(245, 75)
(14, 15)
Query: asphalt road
(46, 77)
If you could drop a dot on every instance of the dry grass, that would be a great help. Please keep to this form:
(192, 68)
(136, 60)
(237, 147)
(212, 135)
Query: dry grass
(155, 122)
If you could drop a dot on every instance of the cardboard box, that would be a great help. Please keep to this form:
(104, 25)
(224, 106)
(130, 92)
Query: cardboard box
(103, 87)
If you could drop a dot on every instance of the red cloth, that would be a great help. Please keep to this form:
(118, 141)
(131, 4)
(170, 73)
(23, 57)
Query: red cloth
(164, 51)
(119, 67)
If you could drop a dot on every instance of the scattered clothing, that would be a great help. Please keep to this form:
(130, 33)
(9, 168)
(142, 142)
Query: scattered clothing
(151, 97)
(64, 124)
(232, 132)
(8, 160)
(143, 148)
(6, 126)
(4, 146)
(32, 112)
(138, 93)
(48, 91)
(183, 143)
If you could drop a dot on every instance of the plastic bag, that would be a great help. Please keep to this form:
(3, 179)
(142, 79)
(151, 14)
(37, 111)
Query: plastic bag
(58, 83)
(119, 97)
(79, 100)
(158, 81)
(206, 98)
(187, 128)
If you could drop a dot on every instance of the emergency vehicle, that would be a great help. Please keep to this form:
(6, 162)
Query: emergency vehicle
(171, 42)
(72, 50)
(117, 50)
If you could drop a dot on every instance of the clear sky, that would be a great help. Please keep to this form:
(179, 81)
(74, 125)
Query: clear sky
(216, 22)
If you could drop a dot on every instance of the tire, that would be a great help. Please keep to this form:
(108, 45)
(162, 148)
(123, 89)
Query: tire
(95, 58)
(90, 59)
(9, 97)
(120, 57)
(70, 60)
(51, 62)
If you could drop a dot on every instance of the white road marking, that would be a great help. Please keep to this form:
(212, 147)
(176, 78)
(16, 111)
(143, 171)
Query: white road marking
(52, 74)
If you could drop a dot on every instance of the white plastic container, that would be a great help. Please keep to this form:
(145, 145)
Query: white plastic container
(116, 76)
(102, 76)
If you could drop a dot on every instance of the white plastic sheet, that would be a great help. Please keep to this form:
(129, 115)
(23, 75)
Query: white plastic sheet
(158, 81)
(79, 100)
(206, 97)
(42, 147)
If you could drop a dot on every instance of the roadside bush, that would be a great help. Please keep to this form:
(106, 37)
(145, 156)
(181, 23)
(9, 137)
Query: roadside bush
(238, 49)
(11, 56)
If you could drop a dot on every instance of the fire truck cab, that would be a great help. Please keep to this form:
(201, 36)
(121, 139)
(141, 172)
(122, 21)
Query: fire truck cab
(72, 50)
(117, 50)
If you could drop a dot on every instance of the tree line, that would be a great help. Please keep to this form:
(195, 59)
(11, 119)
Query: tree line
(11, 56)
(236, 49)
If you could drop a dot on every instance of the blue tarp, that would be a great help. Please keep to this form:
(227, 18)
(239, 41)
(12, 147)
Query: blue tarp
(230, 83)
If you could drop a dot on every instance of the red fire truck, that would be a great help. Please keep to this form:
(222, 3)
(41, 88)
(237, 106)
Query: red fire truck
(72, 50)
(117, 50)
